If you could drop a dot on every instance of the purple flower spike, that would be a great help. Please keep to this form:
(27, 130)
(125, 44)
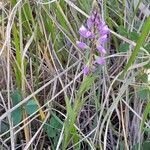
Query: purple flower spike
(96, 32)
(85, 70)
(81, 45)
(84, 32)
(100, 60)
(101, 49)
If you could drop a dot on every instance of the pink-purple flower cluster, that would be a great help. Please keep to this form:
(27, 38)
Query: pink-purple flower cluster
(97, 31)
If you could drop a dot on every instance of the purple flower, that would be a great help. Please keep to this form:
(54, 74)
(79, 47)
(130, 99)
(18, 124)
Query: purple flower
(85, 70)
(102, 39)
(103, 30)
(90, 22)
(81, 45)
(97, 20)
(99, 30)
(85, 33)
(100, 60)
(101, 49)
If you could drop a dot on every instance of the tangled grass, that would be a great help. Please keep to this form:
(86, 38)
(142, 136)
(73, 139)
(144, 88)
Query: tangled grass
(45, 100)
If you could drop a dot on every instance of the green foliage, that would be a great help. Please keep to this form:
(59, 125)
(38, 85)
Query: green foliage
(144, 146)
(143, 93)
(53, 50)
(86, 84)
(146, 29)
(133, 36)
(123, 47)
(70, 132)
(122, 31)
(143, 78)
(17, 113)
(84, 5)
(147, 47)
(53, 126)
(16, 116)
(31, 107)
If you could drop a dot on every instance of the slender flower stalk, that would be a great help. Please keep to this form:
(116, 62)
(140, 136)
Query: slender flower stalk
(97, 32)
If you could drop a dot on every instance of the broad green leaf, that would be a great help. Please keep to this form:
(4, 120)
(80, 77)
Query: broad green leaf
(55, 122)
(16, 116)
(123, 47)
(31, 107)
(122, 31)
(17, 113)
(143, 78)
(51, 132)
(133, 36)
(146, 129)
(146, 145)
(53, 126)
(4, 126)
(143, 146)
(16, 97)
(143, 94)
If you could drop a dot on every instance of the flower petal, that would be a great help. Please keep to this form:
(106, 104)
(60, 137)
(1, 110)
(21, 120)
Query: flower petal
(101, 49)
(104, 30)
(97, 20)
(89, 22)
(100, 60)
(102, 39)
(81, 45)
(84, 32)
(85, 70)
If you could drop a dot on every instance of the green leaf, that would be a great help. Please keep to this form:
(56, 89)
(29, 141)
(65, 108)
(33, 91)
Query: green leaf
(145, 115)
(122, 31)
(17, 113)
(70, 111)
(123, 47)
(146, 129)
(133, 36)
(53, 126)
(146, 145)
(86, 84)
(147, 47)
(4, 126)
(55, 122)
(143, 78)
(31, 107)
(16, 97)
(16, 116)
(147, 66)
(50, 132)
(143, 94)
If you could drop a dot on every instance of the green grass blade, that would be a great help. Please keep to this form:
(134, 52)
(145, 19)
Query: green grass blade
(146, 29)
